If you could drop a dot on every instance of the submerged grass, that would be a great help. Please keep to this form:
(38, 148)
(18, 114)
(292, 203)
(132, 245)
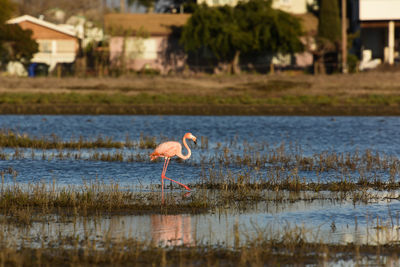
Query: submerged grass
(233, 166)
(256, 155)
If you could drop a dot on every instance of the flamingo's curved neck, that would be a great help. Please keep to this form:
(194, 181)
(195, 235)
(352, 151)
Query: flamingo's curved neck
(187, 148)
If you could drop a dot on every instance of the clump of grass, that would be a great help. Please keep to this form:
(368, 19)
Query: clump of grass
(16, 199)
(9, 138)
(146, 142)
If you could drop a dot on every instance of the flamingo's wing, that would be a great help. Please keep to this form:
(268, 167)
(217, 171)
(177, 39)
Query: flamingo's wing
(167, 149)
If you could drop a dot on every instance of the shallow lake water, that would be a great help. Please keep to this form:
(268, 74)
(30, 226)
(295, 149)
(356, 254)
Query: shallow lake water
(314, 133)
(331, 221)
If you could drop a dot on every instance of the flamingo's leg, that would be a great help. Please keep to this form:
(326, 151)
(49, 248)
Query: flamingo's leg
(165, 177)
(185, 186)
(162, 181)
(163, 171)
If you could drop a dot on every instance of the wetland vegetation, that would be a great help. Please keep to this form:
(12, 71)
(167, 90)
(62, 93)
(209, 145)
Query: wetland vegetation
(264, 250)
(254, 201)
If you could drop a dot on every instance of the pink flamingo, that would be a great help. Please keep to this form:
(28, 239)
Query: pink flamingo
(168, 150)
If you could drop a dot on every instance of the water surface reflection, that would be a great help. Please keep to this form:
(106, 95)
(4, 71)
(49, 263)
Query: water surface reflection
(318, 221)
(171, 230)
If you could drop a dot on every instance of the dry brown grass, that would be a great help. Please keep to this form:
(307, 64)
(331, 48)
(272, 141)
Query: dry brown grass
(350, 85)
(288, 93)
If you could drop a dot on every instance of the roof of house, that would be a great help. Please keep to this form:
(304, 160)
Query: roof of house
(161, 24)
(153, 24)
(42, 23)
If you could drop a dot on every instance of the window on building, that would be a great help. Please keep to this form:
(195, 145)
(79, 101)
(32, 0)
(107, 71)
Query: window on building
(44, 46)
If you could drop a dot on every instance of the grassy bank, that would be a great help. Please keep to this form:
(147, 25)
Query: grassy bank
(258, 253)
(375, 93)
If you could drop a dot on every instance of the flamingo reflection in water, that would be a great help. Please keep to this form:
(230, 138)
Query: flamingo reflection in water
(171, 230)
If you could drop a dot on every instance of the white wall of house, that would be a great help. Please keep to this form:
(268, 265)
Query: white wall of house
(143, 53)
(291, 6)
(380, 40)
(379, 10)
(141, 48)
(52, 52)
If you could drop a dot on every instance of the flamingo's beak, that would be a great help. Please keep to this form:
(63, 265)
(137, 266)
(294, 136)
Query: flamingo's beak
(195, 140)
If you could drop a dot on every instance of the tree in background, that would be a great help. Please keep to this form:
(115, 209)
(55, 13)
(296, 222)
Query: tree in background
(213, 30)
(18, 42)
(329, 30)
(329, 26)
(15, 43)
(7, 9)
(251, 27)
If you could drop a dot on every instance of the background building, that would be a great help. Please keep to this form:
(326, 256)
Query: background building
(380, 29)
(145, 41)
(56, 44)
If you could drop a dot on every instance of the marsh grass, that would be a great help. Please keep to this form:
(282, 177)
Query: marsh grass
(27, 203)
(238, 166)
(260, 166)
(255, 156)
(234, 173)
(290, 246)
(21, 205)
(9, 138)
(22, 202)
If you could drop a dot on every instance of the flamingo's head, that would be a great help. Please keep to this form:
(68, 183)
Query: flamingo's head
(191, 136)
